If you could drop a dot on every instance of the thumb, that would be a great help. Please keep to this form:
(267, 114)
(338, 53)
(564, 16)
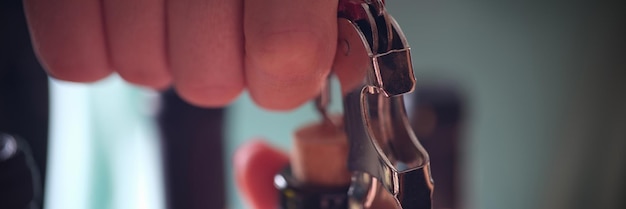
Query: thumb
(255, 165)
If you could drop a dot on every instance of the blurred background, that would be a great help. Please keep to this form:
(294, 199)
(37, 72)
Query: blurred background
(521, 105)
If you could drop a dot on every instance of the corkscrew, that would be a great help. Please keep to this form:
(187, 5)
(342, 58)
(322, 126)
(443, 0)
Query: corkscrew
(390, 168)
(386, 165)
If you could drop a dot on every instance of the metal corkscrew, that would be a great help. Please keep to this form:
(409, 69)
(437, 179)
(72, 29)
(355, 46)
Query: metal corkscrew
(386, 165)
(390, 168)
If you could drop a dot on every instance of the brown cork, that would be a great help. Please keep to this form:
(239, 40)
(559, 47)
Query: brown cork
(319, 155)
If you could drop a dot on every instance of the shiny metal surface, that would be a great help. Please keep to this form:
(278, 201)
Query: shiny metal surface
(390, 167)
(8, 146)
(322, 101)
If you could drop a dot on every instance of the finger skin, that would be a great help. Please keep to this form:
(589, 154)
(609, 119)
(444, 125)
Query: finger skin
(68, 38)
(256, 164)
(290, 45)
(136, 39)
(205, 43)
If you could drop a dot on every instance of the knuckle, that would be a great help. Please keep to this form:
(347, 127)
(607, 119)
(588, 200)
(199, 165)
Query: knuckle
(76, 72)
(201, 94)
(287, 55)
(273, 104)
(150, 78)
(285, 96)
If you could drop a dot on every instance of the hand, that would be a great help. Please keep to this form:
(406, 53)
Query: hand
(209, 50)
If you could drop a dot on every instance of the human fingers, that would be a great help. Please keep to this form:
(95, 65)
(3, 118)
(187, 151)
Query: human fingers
(205, 44)
(256, 163)
(136, 39)
(68, 37)
(290, 45)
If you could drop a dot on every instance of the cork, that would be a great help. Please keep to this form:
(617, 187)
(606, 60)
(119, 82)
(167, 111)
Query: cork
(319, 155)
